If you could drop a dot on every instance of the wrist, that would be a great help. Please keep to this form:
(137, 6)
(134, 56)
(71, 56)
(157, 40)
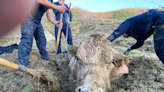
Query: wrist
(55, 23)
(128, 49)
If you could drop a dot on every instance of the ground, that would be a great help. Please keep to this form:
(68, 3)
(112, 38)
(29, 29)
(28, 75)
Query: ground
(146, 72)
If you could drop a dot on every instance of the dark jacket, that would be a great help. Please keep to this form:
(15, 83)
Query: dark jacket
(57, 14)
(139, 27)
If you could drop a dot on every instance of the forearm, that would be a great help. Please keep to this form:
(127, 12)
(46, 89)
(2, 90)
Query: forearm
(138, 44)
(113, 36)
(47, 4)
(71, 16)
(124, 27)
(52, 19)
(50, 16)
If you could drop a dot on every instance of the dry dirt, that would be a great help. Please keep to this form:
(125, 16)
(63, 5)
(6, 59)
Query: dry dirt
(146, 72)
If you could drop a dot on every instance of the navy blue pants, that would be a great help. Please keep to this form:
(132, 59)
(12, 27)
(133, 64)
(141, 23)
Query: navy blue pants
(29, 29)
(159, 49)
(159, 37)
(69, 40)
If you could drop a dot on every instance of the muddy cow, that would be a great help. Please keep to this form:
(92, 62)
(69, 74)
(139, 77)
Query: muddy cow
(96, 64)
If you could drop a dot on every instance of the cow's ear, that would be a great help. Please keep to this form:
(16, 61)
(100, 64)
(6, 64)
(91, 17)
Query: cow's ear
(128, 59)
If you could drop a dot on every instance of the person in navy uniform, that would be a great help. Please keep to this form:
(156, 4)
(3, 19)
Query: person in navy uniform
(32, 27)
(141, 27)
(65, 22)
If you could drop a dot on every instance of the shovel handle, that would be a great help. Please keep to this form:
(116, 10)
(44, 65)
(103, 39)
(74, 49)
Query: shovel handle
(8, 64)
(69, 6)
(58, 36)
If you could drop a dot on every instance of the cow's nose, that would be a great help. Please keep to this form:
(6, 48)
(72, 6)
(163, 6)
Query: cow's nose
(83, 89)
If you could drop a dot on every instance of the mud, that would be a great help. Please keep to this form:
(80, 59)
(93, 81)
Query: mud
(15, 80)
(145, 75)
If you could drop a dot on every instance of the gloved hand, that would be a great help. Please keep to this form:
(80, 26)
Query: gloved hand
(127, 52)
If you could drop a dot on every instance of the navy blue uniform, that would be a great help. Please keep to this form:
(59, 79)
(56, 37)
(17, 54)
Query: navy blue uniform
(29, 29)
(141, 27)
(57, 15)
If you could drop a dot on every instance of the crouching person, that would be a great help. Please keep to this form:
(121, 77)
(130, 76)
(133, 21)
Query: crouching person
(96, 64)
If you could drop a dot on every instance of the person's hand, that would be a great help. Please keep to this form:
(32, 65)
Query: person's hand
(68, 21)
(124, 69)
(127, 52)
(61, 9)
(59, 24)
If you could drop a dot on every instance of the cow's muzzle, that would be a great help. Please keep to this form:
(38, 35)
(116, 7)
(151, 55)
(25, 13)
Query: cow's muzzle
(85, 89)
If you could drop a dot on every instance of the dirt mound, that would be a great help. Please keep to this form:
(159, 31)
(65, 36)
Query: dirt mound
(145, 74)
(14, 80)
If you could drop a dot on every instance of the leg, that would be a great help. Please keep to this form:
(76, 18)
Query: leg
(41, 41)
(59, 45)
(69, 40)
(159, 49)
(25, 46)
(159, 37)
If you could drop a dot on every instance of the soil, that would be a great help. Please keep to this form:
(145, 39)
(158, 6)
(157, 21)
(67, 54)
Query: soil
(146, 72)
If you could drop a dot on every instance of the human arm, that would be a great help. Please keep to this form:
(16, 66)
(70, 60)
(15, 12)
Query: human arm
(124, 27)
(47, 4)
(69, 19)
(71, 16)
(138, 44)
(50, 17)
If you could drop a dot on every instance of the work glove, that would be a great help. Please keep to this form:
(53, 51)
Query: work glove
(127, 52)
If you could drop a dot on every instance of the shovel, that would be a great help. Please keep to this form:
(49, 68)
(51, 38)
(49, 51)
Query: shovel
(66, 37)
(59, 30)
(39, 73)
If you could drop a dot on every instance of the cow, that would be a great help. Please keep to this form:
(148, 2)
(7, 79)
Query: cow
(96, 64)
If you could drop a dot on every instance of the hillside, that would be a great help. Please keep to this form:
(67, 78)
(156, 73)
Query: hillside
(145, 70)
(118, 14)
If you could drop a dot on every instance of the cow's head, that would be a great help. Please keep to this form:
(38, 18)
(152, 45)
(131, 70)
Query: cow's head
(86, 64)
(92, 64)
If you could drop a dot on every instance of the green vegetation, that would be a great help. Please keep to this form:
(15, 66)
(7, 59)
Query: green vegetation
(47, 25)
(151, 37)
(76, 18)
(122, 50)
(33, 46)
(28, 88)
(122, 15)
(135, 52)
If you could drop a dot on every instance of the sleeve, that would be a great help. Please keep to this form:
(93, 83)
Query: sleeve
(124, 27)
(71, 16)
(54, 10)
(138, 44)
